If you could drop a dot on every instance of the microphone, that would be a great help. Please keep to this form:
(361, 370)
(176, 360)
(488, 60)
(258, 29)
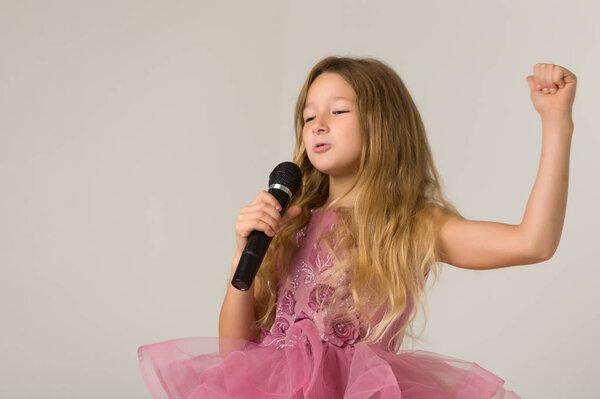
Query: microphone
(284, 181)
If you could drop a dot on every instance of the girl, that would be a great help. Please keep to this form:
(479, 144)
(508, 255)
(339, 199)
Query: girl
(346, 270)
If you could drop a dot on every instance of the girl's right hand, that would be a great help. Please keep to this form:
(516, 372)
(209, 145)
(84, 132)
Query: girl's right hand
(262, 214)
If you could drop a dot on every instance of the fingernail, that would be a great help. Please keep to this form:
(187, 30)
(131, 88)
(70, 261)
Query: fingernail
(545, 90)
(538, 87)
(552, 90)
(560, 87)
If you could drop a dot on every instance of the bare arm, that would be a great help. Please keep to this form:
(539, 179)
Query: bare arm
(488, 245)
(545, 213)
(236, 319)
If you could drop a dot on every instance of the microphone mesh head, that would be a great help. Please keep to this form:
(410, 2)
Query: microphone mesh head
(287, 174)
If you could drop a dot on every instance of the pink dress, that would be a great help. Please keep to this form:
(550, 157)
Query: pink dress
(306, 355)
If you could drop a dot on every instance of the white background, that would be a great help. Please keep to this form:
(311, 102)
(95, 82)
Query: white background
(132, 132)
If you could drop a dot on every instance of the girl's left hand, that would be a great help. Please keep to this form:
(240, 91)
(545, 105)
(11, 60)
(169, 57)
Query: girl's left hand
(552, 90)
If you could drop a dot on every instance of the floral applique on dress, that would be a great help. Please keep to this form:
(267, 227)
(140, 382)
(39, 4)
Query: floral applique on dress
(311, 354)
(298, 297)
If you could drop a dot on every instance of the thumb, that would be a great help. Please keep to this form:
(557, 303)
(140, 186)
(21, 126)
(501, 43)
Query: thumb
(531, 82)
(290, 213)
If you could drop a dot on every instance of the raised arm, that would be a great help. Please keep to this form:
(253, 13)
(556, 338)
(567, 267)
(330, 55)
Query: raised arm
(488, 245)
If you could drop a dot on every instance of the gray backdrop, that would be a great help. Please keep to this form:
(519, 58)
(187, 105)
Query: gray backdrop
(132, 132)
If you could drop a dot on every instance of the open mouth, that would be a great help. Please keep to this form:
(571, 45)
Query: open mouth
(322, 147)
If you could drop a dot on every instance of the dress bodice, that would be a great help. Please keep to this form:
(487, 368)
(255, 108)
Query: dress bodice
(297, 294)
(321, 358)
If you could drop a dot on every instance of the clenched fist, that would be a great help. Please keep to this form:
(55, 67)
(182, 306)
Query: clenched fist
(263, 215)
(552, 90)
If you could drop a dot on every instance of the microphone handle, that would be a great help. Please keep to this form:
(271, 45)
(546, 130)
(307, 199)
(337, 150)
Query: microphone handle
(256, 248)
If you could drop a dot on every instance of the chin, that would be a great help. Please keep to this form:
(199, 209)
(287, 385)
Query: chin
(330, 168)
(330, 171)
(323, 168)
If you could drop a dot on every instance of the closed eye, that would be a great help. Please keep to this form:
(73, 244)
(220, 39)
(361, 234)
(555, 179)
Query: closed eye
(335, 112)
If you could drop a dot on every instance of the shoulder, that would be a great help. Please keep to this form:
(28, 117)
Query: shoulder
(441, 216)
(445, 223)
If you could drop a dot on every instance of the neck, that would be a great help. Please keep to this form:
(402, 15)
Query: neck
(338, 185)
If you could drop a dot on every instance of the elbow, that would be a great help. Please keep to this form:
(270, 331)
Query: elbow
(539, 249)
(542, 254)
(548, 254)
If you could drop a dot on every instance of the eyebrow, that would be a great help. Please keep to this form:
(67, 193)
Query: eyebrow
(330, 99)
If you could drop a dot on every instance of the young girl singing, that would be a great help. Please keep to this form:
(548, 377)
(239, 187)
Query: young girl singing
(346, 270)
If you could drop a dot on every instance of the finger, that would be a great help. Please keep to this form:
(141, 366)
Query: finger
(245, 226)
(262, 212)
(258, 198)
(265, 227)
(252, 209)
(531, 82)
(557, 77)
(269, 199)
(568, 76)
(266, 197)
(291, 213)
(542, 78)
(548, 78)
(537, 76)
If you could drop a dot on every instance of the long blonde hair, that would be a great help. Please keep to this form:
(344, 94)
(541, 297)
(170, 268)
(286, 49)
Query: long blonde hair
(385, 243)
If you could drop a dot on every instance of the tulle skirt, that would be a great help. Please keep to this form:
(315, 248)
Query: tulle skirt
(306, 367)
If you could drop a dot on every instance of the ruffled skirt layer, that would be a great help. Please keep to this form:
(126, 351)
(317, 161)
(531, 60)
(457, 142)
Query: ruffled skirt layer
(306, 367)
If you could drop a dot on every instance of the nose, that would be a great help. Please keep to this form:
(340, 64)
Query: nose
(319, 125)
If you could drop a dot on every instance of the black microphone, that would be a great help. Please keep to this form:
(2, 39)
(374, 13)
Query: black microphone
(284, 181)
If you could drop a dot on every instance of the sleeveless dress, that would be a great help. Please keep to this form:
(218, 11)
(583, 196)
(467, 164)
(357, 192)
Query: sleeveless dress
(305, 355)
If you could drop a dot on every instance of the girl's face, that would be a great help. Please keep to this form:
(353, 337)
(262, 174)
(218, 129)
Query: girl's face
(332, 134)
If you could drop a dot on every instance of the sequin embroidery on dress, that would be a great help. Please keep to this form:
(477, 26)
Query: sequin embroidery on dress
(323, 355)
(298, 299)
